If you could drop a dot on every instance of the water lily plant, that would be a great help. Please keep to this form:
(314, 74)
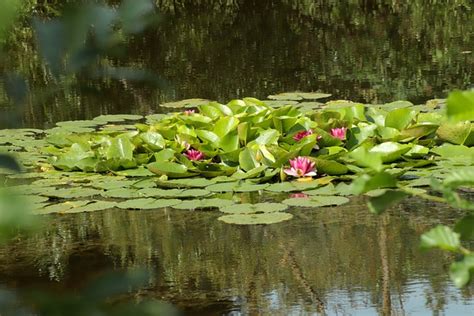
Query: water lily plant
(339, 132)
(301, 167)
(194, 154)
(300, 135)
(188, 112)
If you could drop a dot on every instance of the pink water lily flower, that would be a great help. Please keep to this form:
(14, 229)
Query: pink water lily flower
(189, 112)
(339, 132)
(194, 154)
(300, 135)
(301, 167)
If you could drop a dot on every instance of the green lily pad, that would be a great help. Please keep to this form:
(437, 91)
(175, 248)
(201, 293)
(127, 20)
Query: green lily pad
(247, 208)
(147, 203)
(256, 219)
(71, 193)
(125, 193)
(186, 183)
(203, 203)
(117, 118)
(455, 133)
(293, 186)
(316, 201)
(93, 206)
(61, 207)
(390, 151)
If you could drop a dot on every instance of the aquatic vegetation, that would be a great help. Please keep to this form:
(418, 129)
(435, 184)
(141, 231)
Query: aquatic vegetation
(212, 157)
(301, 167)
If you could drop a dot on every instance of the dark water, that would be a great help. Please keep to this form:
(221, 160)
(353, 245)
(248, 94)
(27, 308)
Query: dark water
(371, 51)
(338, 261)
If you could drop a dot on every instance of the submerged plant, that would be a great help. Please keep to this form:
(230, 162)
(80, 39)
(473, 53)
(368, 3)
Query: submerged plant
(300, 135)
(339, 132)
(194, 154)
(301, 167)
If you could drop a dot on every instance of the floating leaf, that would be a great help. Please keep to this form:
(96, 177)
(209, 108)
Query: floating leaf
(117, 118)
(70, 193)
(247, 208)
(61, 207)
(203, 203)
(292, 186)
(256, 219)
(147, 203)
(390, 151)
(455, 133)
(316, 201)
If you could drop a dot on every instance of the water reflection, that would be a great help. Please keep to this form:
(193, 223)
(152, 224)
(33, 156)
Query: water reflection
(339, 260)
(370, 51)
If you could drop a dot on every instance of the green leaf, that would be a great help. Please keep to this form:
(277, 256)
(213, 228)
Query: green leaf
(153, 139)
(330, 167)
(316, 201)
(363, 158)
(225, 125)
(203, 203)
(399, 118)
(380, 203)
(208, 136)
(188, 103)
(147, 203)
(390, 151)
(461, 272)
(247, 208)
(460, 105)
(293, 186)
(268, 137)
(380, 180)
(256, 219)
(248, 159)
(121, 148)
(465, 227)
(455, 133)
(441, 237)
(166, 167)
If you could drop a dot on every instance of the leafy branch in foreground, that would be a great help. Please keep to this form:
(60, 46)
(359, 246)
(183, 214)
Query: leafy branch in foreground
(460, 106)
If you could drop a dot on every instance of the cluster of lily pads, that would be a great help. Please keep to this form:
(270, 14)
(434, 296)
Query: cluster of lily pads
(209, 154)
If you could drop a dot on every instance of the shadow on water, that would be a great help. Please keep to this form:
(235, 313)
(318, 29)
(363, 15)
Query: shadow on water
(369, 51)
(339, 260)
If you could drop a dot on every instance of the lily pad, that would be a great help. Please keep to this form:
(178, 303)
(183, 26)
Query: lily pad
(247, 208)
(117, 118)
(71, 193)
(256, 219)
(292, 186)
(147, 203)
(316, 201)
(203, 203)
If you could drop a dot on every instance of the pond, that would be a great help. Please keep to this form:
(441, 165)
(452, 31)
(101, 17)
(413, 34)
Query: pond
(331, 260)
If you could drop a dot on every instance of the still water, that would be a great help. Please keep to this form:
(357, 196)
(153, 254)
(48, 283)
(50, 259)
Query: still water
(335, 261)
(338, 261)
(371, 51)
